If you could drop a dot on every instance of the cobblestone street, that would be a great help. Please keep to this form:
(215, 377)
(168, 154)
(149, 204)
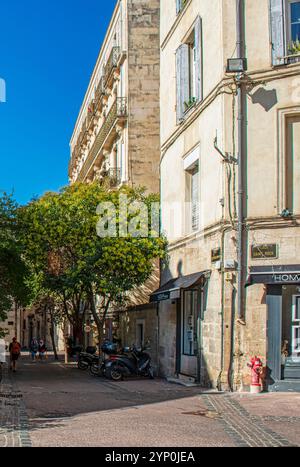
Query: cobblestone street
(50, 404)
(13, 418)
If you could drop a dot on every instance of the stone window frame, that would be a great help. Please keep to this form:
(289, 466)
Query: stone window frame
(283, 115)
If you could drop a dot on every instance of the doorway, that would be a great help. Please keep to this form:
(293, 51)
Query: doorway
(283, 328)
(190, 332)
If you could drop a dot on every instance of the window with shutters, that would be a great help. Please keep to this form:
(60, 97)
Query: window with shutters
(285, 31)
(189, 72)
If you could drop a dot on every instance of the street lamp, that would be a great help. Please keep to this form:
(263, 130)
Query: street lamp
(237, 65)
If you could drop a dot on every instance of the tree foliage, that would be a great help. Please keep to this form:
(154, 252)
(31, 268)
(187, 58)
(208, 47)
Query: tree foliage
(87, 271)
(13, 271)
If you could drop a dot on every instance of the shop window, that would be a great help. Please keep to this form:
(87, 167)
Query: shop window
(296, 326)
(190, 315)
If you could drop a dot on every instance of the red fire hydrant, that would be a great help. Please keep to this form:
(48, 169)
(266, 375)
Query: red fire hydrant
(256, 366)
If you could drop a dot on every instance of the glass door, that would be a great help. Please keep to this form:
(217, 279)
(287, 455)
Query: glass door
(290, 352)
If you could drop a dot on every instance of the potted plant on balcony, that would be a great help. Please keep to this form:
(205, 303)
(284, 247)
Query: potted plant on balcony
(190, 103)
(294, 47)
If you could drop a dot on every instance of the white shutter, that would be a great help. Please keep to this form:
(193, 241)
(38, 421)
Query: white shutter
(198, 59)
(182, 79)
(277, 17)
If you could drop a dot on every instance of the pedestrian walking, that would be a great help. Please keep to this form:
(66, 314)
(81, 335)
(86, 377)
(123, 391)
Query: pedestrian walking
(15, 352)
(34, 347)
(42, 349)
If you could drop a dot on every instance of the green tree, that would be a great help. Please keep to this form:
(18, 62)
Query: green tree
(90, 272)
(13, 271)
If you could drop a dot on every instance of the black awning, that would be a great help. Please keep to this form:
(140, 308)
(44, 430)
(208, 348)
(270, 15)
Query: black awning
(171, 290)
(278, 275)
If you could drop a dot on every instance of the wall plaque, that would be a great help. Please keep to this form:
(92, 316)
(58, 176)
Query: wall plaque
(264, 251)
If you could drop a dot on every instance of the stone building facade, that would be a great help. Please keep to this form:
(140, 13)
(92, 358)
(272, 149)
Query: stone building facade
(203, 335)
(117, 133)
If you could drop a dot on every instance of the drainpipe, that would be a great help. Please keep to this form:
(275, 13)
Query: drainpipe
(241, 53)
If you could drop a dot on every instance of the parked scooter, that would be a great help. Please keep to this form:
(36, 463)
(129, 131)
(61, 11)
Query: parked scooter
(137, 362)
(98, 368)
(86, 359)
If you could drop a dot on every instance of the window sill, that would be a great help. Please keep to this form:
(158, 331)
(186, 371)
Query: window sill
(288, 60)
(292, 59)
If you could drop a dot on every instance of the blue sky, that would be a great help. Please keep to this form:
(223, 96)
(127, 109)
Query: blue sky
(48, 49)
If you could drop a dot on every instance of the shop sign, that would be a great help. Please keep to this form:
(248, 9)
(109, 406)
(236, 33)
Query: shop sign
(287, 278)
(162, 296)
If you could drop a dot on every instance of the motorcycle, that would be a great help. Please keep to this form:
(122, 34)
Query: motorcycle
(98, 368)
(136, 362)
(87, 358)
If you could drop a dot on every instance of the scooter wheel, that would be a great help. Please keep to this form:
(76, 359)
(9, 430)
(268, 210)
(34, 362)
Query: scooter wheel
(97, 370)
(82, 365)
(114, 373)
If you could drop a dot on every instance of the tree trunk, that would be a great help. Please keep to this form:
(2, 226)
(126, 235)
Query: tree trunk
(100, 321)
(53, 339)
(78, 331)
(66, 343)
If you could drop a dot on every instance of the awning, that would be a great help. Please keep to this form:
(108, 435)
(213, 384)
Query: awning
(278, 275)
(171, 290)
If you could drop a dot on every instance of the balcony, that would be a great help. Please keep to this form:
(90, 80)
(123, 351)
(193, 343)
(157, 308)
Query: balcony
(107, 134)
(114, 176)
(111, 66)
(100, 91)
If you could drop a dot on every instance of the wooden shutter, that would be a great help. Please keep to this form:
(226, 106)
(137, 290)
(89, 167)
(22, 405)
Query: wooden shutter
(277, 18)
(182, 79)
(198, 59)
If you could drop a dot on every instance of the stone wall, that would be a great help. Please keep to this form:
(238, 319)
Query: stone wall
(128, 321)
(143, 94)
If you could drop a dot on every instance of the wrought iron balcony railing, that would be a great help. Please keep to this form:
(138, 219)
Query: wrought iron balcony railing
(111, 64)
(100, 91)
(118, 112)
(114, 177)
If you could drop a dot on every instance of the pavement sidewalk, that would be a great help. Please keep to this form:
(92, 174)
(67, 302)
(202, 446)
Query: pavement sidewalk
(68, 407)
